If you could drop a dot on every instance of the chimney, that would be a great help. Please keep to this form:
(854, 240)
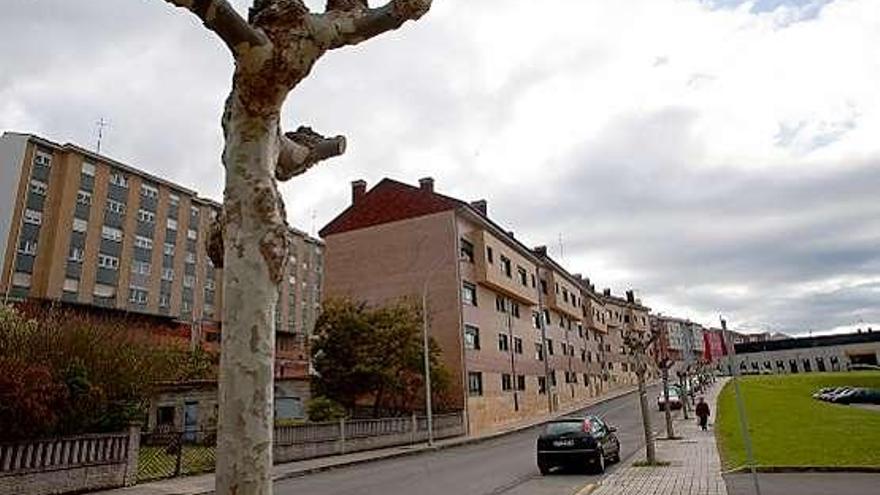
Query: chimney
(606, 292)
(540, 250)
(426, 184)
(358, 190)
(481, 206)
(630, 296)
(510, 233)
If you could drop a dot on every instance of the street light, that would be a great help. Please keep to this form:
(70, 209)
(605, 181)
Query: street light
(426, 349)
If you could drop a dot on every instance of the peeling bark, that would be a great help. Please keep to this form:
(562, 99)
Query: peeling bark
(274, 50)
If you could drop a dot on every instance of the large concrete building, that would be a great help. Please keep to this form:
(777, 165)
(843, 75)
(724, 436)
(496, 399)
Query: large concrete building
(82, 228)
(806, 354)
(520, 334)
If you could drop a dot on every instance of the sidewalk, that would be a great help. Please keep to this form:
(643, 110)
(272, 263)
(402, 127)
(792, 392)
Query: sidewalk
(694, 466)
(204, 484)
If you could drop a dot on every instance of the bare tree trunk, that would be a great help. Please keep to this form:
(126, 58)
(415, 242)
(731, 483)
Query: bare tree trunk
(255, 254)
(670, 432)
(650, 452)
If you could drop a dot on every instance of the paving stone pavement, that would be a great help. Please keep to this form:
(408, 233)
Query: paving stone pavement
(694, 466)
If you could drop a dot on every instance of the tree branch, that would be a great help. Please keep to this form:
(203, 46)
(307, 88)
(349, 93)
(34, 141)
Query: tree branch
(224, 20)
(352, 23)
(301, 149)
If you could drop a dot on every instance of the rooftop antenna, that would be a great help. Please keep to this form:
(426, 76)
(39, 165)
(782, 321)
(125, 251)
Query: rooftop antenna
(101, 125)
(314, 234)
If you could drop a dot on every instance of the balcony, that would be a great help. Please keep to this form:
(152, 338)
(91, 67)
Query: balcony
(503, 269)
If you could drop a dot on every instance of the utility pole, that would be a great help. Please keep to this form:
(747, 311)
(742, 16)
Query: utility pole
(101, 125)
(740, 406)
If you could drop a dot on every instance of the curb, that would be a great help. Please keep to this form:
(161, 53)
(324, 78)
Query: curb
(803, 469)
(425, 449)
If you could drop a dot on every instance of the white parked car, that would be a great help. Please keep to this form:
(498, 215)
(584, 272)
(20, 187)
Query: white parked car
(674, 400)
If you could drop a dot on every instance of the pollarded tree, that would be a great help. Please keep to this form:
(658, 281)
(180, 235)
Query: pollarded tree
(637, 344)
(274, 49)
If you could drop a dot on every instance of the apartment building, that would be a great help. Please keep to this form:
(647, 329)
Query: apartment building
(82, 228)
(516, 330)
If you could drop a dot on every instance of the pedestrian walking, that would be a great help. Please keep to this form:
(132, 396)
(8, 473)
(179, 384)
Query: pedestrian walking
(703, 413)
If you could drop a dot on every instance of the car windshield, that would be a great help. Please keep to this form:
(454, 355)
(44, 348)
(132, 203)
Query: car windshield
(560, 427)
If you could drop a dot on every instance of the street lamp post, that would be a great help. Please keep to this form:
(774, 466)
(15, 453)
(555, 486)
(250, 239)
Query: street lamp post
(426, 351)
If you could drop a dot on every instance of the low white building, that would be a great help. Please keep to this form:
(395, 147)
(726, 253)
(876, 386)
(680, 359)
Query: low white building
(808, 354)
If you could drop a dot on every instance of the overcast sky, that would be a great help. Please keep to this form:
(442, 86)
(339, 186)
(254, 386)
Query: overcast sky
(718, 156)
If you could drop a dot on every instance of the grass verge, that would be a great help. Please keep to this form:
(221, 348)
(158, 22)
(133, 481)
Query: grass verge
(790, 428)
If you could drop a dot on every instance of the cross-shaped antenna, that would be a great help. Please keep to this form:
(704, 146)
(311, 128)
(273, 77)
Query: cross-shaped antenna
(101, 124)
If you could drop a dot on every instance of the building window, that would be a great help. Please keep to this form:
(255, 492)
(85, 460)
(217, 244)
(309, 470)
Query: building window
(514, 309)
(517, 345)
(168, 249)
(146, 216)
(27, 247)
(536, 320)
(137, 295)
(469, 293)
(471, 337)
(39, 187)
(164, 300)
(506, 382)
(108, 262)
(542, 385)
(168, 274)
(115, 206)
(192, 234)
(143, 242)
(33, 217)
(475, 383)
(43, 158)
(467, 250)
(523, 276)
(539, 351)
(105, 291)
(88, 169)
(189, 280)
(209, 284)
(550, 347)
(503, 342)
(171, 224)
(500, 304)
(490, 256)
(118, 179)
(140, 267)
(76, 254)
(194, 211)
(84, 198)
(173, 200)
(149, 191)
(520, 382)
(190, 258)
(111, 234)
(505, 266)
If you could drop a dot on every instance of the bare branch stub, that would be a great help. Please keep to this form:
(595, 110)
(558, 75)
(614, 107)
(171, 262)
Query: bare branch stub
(301, 149)
(352, 22)
(220, 17)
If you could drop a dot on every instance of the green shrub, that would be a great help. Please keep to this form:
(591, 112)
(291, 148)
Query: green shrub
(324, 409)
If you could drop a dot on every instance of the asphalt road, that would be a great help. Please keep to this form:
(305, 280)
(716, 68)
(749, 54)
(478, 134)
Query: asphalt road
(505, 465)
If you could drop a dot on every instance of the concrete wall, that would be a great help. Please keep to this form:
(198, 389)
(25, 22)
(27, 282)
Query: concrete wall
(70, 464)
(300, 442)
(842, 354)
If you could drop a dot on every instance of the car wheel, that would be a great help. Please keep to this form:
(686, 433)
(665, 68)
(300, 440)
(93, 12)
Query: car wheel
(543, 466)
(599, 463)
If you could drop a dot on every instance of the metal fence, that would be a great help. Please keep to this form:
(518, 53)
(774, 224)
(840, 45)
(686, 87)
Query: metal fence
(165, 454)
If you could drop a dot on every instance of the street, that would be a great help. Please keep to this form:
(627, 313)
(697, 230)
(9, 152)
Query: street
(503, 465)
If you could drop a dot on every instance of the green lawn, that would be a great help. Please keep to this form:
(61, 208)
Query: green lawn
(790, 428)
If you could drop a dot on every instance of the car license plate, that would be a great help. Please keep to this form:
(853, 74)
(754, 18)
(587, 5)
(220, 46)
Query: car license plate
(563, 443)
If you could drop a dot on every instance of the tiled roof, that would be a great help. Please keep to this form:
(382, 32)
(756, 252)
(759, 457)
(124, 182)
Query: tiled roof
(389, 201)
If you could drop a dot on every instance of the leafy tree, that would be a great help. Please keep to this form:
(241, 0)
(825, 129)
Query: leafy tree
(62, 372)
(373, 356)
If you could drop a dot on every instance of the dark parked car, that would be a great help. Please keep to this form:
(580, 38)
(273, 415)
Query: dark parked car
(584, 441)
